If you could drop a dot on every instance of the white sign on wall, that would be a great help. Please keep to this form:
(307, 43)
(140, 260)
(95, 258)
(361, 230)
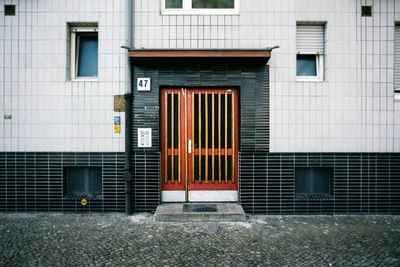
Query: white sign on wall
(143, 84)
(144, 137)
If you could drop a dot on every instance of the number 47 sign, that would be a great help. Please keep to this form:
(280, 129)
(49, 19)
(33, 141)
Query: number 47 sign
(143, 84)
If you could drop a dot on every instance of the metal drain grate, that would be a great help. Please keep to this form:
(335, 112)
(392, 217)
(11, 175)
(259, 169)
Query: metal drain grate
(200, 208)
(92, 196)
(314, 196)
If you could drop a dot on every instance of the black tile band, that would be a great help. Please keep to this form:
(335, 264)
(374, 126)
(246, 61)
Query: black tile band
(35, 182)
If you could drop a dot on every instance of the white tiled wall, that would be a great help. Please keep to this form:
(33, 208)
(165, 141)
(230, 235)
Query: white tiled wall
(351, 111)
(49, 112)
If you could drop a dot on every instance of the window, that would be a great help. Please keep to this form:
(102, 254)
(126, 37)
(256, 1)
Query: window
(313, 183)
(82, 182)
(9, 10)
(310, 44)
(306, 65)
(396, 76)
(84, 51)
(213, 4)
(206, 7)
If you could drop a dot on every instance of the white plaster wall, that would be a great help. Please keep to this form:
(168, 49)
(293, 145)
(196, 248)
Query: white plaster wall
(49, 112)
(351, 111)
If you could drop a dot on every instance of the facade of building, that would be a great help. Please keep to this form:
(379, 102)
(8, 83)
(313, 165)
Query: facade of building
(287, 107)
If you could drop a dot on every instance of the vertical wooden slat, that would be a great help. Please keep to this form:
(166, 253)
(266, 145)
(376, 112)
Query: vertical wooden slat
(172, 138)
(165, 94)
(213, 135)
(219, 137)
(179, 137)
(192, 119)
(200, 147)
(233, 138)
(226, 137)
(206, 109)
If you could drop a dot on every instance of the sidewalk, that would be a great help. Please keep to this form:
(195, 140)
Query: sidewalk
(118, 240)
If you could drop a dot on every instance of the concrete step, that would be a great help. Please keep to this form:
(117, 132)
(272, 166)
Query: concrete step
(200, 212)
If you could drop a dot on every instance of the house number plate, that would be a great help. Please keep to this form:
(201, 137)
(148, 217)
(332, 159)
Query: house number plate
(143, 84)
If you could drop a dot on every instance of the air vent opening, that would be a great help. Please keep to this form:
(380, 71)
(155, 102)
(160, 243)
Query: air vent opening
(9, 10)
(366, 11)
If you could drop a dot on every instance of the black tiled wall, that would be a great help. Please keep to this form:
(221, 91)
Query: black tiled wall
(34, 182)
(367, 183)
(146, 182)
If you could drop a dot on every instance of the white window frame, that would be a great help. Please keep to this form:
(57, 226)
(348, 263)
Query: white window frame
(320, 57)
(75, 31)
(188, 10)
(320, 69)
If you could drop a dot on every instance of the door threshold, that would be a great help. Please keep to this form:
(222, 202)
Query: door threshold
(178, 196)
(200, 212)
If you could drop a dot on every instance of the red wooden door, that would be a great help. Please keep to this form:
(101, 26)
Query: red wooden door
(199, 139)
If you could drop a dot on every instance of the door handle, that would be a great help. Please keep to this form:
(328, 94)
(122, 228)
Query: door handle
(189, 146)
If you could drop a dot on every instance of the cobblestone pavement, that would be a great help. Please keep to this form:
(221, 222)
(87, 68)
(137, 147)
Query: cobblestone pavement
(117, 240)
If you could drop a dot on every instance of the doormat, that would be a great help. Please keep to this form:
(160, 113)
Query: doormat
(200, 208)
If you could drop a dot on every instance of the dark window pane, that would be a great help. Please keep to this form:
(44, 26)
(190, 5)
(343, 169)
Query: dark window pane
(203, 167)
(176, 120)
(203, 120)
(88, 59)
(196, 167)
(223, 120)
(312, 180)
(176, 169)
(169, 118)
(213, 3)
(76, 180)
(209, 118)
(95, 184)
(173, 3)
(196, 121)
(230, 121)
(169, 163)
(216, 112)
(210, 174)
(306, 65)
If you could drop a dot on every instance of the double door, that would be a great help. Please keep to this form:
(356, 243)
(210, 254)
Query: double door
(199, 141)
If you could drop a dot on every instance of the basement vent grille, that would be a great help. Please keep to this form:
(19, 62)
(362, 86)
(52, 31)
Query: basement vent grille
(92, 196)
(200, 208)
(314, 196)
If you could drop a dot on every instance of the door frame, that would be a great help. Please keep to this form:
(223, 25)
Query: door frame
(173, 192)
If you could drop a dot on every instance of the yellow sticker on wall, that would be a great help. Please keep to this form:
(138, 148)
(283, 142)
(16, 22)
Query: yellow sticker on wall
(117, 128)
(83, 201)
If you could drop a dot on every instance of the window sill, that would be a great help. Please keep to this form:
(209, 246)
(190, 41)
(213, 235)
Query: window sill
(308, 79)
(83, 79)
